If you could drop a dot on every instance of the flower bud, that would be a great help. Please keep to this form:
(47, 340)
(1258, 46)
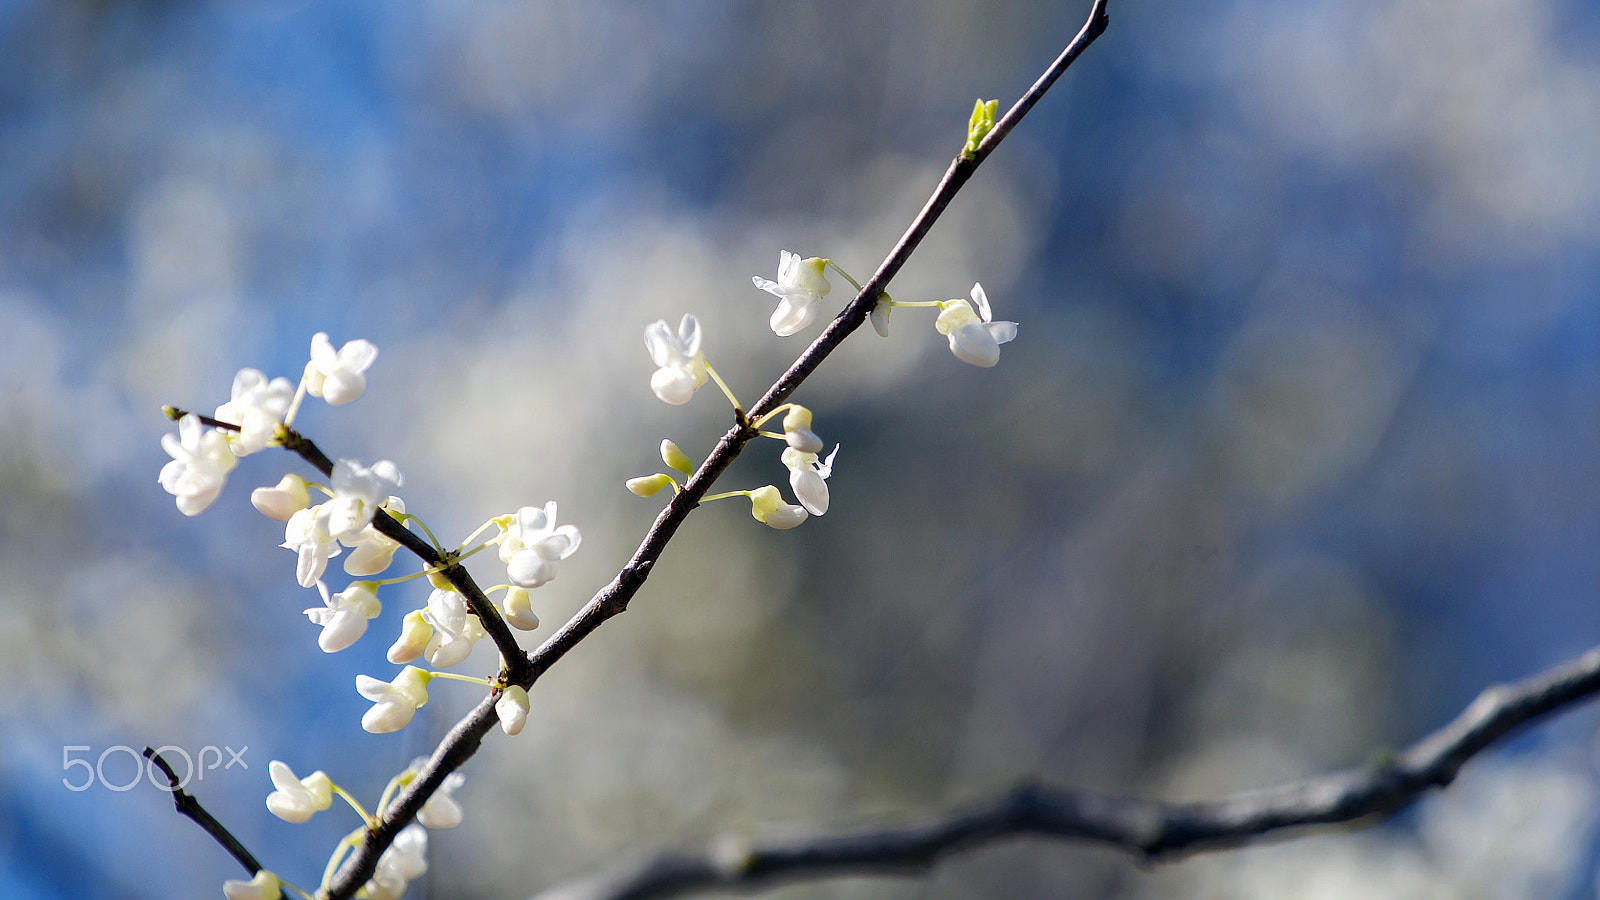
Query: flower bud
(798, 417)
(414, 635)
(768, 508)
(649, 485)
(297, 799)
(672, 456)
(281, 502)
(264, 886)
(512, 708)
(519, 609)
(880, 316)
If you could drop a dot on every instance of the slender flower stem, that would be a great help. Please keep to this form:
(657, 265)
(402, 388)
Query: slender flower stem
(404, 518)
(758, 422)
(294, 405)
(724, 386)
(395, 784)
(354, 804)
(847, 276)
(474, 535)
(346, 844)
(470, 679)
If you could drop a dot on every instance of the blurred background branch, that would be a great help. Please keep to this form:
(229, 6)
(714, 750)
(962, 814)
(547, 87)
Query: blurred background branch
(1149, 830)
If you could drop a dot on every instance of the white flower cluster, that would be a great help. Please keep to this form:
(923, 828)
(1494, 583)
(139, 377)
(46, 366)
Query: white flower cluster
(298, 799)
(258, 415)
(973, 335)
(681, 369)
(255, 418)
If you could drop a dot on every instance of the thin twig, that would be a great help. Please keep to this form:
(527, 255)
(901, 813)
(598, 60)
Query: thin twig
(1149, 830)
(477, 601)
(468, 733)
(189, 806)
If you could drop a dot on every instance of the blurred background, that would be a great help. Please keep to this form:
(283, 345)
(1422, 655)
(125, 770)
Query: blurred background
(1297, 448)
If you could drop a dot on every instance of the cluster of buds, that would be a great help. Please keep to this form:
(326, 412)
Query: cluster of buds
(260, 414)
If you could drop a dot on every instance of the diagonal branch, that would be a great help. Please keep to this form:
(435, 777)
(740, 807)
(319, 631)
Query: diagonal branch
(189, 806)
(463, 740)
(1147, 829)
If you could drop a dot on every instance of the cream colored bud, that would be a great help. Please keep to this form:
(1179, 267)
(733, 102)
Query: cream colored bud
(677, 459)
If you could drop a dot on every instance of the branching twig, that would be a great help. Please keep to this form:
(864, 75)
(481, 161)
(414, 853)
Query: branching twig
(1147, 829)
(459, 578)
(189, 806)
(464, 738)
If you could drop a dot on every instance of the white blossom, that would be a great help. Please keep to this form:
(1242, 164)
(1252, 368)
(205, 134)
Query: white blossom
(201, 461)
(344, 615)
(371, 551)
(533, 545)
(512, 708)
(257, 407)
(801, 283)
(442, 810)
(403, 861)
(973, 337)
(681, 363)
(808, 478)
(455, 629)
(880, 316)
(394, 702)
(297, 799)
(415, 633)
(358, 491)
(264, 886)
(797, 431)
(307, 534)
(290, 495)
(767, 506)
(337, 376)
(519, 608)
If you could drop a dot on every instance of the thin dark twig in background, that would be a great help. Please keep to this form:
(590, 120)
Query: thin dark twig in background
(189, 806)
(1150, 830)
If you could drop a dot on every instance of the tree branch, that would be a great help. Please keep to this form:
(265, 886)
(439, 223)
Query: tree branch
(189, 806)
(1149, 830)
(468, 733)
(504, 640)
